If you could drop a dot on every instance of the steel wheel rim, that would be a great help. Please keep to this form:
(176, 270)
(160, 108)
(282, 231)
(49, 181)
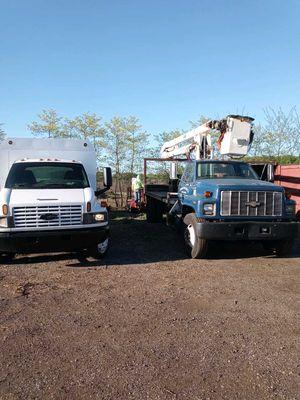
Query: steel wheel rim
(102, 247)
(190, 235)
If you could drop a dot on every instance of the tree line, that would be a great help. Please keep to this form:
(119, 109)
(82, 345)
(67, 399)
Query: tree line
(122, 142)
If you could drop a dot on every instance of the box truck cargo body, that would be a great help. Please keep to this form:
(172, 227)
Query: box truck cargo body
(48, 197)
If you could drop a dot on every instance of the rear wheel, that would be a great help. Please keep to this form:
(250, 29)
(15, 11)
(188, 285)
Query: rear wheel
(195, 246)
(154, 210)
(280, 248)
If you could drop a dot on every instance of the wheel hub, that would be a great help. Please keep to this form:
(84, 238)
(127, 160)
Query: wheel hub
(102, 247)
(191, 234)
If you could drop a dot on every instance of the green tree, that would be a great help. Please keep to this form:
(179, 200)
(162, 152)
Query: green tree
(49, 125)
(278, 132)
(136, 142)
(279, 135)
(258, 141)
(116, 138)
(69, 130)
(200, 121)
(87, 126)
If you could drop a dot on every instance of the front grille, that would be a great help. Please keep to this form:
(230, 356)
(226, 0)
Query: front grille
(238, 203)
(47, 216)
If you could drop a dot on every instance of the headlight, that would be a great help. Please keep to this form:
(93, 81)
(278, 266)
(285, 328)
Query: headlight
(208, 209)
(92, 218)
(100, 217)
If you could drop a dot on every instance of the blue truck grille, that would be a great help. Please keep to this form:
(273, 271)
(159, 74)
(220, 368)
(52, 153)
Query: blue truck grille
(250, 203)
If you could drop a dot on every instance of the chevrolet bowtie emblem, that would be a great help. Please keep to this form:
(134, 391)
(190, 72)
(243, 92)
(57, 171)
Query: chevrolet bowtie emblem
(48, 217)
(253, 204)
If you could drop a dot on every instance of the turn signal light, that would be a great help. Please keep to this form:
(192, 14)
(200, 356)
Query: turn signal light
(207, 194)
(5, 209)
(88, 206)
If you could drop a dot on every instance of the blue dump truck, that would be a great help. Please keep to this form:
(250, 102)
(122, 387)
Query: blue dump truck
(221, 200)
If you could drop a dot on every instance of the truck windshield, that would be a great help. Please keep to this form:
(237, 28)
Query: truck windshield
(46, 175)
(226, 170)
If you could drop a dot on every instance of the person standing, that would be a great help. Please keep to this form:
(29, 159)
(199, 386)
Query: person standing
(138, 187)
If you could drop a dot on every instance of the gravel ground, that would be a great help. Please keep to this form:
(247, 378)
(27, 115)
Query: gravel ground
(148, 323)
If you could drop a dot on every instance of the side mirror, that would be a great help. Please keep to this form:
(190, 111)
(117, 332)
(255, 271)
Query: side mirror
(107, 181)
(107, 177)
(270, 173)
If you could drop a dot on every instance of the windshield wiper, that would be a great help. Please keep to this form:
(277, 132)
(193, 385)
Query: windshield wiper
(20, 185)
(60, 186)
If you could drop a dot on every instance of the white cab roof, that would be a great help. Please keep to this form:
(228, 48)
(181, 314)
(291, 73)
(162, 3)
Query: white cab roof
(54, 160)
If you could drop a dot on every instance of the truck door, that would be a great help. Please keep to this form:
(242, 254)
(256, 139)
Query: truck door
(185, 186)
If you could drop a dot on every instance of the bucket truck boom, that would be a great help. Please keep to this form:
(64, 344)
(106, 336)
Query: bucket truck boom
(235, 139)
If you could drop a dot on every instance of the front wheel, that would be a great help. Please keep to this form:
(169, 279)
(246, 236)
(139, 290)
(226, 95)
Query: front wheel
(195, 246)
(100, 250)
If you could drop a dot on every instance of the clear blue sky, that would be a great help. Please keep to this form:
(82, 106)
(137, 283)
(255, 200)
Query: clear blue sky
(166, 62)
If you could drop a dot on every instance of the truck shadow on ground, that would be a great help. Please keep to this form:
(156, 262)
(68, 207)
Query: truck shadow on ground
(134, 241)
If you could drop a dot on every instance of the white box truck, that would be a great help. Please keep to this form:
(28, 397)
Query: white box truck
(48, 198)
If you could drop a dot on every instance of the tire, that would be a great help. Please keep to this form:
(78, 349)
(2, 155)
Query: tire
(280, 248)
(99, 251)
(154, 210)
(150, 213)
(6, 258)
(159, 209)
(195, 246)
(81, 256)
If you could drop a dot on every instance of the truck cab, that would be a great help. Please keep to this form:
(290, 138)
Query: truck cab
(48, 198)
(225, 200)
(220, 199)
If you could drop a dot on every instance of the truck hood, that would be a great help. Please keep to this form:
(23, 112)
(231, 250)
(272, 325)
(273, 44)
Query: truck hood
(22, 197)
(238, 184)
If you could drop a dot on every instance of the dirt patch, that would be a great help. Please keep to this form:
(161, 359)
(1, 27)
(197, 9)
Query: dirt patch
(148, 323)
